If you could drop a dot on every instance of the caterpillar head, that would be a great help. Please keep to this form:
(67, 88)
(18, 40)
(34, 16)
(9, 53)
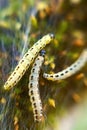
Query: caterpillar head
(42, 53)
(48, 38)
(52, 36)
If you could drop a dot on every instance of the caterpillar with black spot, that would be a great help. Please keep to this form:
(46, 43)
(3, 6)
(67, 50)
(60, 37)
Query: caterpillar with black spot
(34, 88)
(27, 59)
(75, 67)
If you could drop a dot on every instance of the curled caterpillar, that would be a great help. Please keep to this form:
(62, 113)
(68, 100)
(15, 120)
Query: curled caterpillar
(75, 67)
(33, 88)
(25, 62)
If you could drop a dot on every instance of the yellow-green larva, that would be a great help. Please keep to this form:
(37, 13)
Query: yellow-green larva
(34, 88)
(75, 67)
(25, 62)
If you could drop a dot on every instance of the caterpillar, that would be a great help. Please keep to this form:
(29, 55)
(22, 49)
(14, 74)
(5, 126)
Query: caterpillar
(33, 88)
(27, 59)
(75, 67)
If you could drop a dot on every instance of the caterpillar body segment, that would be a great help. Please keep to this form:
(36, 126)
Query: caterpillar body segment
(25, 62)
(74, 68)
(34, 88)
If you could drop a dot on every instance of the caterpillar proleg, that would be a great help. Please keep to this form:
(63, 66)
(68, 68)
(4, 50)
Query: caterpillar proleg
(75, 67)
(27, 59)
(33, 88)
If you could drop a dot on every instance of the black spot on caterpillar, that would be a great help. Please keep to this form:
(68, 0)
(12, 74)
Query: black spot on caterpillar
(25, 62)
(75, 67)
(34, 88)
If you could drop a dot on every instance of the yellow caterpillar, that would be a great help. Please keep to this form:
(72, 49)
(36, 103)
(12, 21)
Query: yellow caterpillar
(27, 59)
(34, 88)
(75, 67)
